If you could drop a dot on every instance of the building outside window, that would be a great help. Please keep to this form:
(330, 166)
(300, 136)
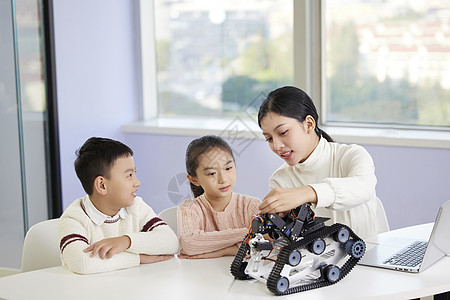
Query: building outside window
(381, 62)
(388, 62)
(215, 57)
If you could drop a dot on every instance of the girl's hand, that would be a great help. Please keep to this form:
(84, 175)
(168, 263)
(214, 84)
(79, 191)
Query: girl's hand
(284, 199)
(148, 259)
(229, 251)
(107, 248)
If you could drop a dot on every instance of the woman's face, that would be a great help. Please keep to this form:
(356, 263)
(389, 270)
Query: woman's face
(288, 138)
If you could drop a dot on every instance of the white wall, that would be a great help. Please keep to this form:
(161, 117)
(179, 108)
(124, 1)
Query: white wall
(412, 182)
(96, 76)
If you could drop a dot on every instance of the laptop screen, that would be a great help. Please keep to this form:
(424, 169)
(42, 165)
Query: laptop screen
(439, 243)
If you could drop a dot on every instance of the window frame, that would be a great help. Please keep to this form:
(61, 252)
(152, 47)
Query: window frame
(309, 74)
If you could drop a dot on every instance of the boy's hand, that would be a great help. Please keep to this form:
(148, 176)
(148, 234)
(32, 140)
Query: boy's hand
(229, 251)
(109, 247)
(148, 259)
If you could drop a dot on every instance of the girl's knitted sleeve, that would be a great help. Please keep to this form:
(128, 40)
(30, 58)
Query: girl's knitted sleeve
(195, 240)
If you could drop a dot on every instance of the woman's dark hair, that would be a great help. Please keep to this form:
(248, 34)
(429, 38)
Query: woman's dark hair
(198, 147)
(96, 158)
(292, 102)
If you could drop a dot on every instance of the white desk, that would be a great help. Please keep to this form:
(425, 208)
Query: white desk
(211, 279)
(172, 279)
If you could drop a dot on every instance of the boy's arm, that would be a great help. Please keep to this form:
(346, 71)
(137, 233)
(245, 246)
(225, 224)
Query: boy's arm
(109, 247)
(155, 236)
(74, 240)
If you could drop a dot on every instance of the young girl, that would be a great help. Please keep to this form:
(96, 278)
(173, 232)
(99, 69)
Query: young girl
(216, 220)
(338, 179)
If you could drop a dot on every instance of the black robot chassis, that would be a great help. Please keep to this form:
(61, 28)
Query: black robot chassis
(297, 252)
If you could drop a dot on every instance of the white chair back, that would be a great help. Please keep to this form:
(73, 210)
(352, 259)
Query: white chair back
(41, 246)
(169, 215)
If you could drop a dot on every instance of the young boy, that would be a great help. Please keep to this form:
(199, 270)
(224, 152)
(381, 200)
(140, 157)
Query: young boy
(111, 228)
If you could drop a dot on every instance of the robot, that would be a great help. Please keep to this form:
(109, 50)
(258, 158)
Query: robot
(297, 252)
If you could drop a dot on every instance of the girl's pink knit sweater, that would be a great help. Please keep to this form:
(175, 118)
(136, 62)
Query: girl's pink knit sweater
(202, 230)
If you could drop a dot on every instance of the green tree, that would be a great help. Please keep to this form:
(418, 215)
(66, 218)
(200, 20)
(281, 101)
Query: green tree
(343, 65)
(238, 92)
(162, 54)
(264, 66)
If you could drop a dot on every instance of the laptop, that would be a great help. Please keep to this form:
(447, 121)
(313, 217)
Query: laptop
(413, 255)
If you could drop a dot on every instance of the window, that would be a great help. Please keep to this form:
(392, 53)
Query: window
(215, 57)
(362, 61)
(388, 62)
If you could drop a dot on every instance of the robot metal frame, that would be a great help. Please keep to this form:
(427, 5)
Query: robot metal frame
(297, 252)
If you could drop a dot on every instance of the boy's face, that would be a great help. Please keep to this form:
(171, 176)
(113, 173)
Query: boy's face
(122, 184)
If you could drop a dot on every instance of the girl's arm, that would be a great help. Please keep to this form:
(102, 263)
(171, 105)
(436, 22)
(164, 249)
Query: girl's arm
(228, 251)
(194, 240)
(200, 242)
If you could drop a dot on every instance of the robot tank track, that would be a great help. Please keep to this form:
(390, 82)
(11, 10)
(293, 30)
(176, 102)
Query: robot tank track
(296, 253)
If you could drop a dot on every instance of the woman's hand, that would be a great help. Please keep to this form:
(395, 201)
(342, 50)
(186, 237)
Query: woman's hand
(284, 199)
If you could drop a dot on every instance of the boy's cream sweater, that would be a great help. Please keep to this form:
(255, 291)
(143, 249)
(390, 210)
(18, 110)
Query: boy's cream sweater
(82, 225)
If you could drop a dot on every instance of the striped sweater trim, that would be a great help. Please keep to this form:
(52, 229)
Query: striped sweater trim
(152, 224)
(112, 221)
(84, 209)
(68, 239)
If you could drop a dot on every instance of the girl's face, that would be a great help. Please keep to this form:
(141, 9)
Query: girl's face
(216, 174)
(288, 138)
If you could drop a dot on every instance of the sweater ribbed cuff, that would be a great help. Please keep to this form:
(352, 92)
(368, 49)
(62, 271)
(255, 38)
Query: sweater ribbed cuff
(325, 194)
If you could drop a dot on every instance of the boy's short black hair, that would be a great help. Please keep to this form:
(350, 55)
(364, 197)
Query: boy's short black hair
(96, 158)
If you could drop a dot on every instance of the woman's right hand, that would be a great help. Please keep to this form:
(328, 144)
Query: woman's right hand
(284, 199)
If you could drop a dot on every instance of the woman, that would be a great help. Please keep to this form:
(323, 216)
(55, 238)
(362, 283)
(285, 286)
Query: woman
(337, 179)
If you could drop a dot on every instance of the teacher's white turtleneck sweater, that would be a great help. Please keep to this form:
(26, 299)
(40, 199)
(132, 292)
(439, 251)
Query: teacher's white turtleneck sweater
(343, 177)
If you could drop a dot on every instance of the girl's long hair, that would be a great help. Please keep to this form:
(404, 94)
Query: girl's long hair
(198, 147)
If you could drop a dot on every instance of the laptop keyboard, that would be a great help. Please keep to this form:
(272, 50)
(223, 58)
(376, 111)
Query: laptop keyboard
(411, 256)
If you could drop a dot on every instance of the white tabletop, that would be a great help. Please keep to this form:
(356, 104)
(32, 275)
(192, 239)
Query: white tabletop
(172, 279)
(368, 282)
(211, 279)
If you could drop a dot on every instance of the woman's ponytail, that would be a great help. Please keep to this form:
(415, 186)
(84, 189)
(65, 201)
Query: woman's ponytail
(323, 134)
